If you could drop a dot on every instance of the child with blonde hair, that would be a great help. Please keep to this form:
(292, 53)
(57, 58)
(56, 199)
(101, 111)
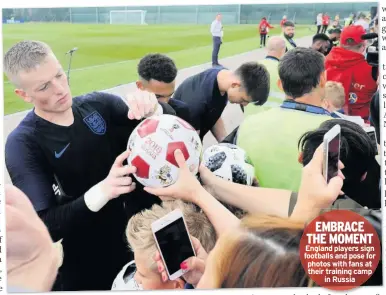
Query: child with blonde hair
(334, 98)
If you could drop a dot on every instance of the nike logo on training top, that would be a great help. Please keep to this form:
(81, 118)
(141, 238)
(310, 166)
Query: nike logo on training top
(58, 155)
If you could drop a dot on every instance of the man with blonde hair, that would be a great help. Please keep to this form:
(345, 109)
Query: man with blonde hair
(140, 237)
(67, 155)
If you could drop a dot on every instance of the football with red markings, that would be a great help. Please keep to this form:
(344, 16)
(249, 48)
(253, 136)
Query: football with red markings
(152, 145)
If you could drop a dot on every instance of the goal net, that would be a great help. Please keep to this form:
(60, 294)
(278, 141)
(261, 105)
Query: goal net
(127, 17)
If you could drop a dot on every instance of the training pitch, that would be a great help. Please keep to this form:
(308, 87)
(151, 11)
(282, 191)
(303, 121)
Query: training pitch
(108, 55)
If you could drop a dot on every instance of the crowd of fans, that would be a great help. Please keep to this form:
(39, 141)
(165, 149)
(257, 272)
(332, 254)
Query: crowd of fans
(93, 231)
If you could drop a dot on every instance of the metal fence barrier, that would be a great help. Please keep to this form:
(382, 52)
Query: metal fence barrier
(232, 14)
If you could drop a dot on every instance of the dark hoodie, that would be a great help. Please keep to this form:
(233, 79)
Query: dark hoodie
(351, 69)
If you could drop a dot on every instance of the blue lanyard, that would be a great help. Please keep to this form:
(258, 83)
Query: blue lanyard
(293, 105)
(272, 58)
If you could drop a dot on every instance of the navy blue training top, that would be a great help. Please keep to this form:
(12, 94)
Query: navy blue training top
(55, 165)
(182, 110)
(202, 94)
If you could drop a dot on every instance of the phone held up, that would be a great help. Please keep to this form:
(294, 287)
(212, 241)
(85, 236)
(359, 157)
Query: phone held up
(173, 241)
(331, 153)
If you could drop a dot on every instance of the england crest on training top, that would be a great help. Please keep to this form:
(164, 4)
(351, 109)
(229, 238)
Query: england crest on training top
(96, 123)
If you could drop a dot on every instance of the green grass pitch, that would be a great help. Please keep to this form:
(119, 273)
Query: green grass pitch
(108, 54)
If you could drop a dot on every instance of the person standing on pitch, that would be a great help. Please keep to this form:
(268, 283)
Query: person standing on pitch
(275, 51)
(68, 156)
(319, 22)
(216, 30)
(284, 19)
(325, 22)
(264, 27)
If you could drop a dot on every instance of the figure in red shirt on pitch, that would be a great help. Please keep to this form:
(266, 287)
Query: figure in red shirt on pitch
(325, 22)
(283, 21)
(346, 64)
(264, 27)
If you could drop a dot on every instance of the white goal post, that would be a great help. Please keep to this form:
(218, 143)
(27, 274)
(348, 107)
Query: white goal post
(127, 17)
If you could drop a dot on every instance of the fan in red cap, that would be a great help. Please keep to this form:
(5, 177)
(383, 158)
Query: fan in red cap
(352, 35)
(347, 64)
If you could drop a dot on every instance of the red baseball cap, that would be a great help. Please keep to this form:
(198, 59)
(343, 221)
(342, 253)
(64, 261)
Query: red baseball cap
(354, 33)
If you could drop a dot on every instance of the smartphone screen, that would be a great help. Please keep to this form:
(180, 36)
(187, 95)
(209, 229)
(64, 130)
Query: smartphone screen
(174, 243)
(333, 157)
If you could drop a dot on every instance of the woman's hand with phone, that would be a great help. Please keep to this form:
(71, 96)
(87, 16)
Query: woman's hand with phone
(194, 265)
(315, 193)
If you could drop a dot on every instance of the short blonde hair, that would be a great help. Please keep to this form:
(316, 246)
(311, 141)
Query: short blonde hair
(140, 236)
(24, 56)
(335, 94)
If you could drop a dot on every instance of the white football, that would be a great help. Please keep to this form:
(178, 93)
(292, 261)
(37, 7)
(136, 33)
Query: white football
(152, 145)
(125, 280)
(229, 162)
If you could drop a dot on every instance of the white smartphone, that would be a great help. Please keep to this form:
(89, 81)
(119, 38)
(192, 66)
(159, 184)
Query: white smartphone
(172, 237)
(370, 130)
(331, 152)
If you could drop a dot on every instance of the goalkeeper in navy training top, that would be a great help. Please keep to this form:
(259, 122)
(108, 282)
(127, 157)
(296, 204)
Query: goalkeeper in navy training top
(68, 156)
